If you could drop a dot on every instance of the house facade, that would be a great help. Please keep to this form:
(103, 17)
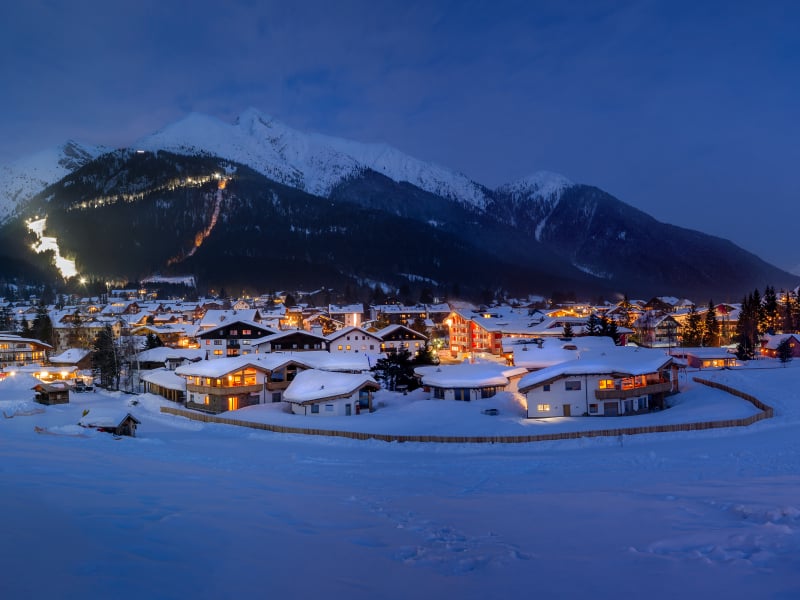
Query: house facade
(234, 338)
(232, 383)
(354, 339)
(620, 383)
(325, 394)
(16, 351)
(398, 337)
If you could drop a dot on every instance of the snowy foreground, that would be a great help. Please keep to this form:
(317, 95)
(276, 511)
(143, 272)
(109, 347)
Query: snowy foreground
(191, 510)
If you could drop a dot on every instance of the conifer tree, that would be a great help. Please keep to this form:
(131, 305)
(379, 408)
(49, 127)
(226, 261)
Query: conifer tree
(711, 328)
(105, 359)
(592, 326)
(568, 330)
(769, 321)
(693, 332)
(785, 350)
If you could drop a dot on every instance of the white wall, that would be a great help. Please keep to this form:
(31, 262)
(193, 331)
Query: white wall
(338, 408)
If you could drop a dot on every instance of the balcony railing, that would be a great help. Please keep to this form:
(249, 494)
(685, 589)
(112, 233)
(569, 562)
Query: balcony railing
(219, 390)
(653, 388)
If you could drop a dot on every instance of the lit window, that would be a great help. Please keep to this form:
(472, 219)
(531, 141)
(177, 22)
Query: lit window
(606, 384)
(543, 407)
(348, 347)
(340, 346)
(217, 352)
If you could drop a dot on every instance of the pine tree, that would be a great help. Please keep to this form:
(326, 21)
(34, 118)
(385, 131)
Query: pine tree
(788, 302)
(692, 333)
(711, 329)
(769, 311)
(105, 359)
(568, 330)
(785, 350)
(6, 318)
(608, 328)
(592, 326)
(395, 370)
(42, 328)
(152, 341)
(747, 328)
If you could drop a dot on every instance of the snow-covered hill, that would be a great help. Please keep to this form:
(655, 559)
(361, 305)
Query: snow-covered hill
(312, 162)
(24, 178)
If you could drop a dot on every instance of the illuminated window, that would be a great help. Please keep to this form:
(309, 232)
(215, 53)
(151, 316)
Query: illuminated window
(233, 403)
(543, 407)
(348, 347)
(340, 346)
(606, 384)
(217, 352)
(207, 400)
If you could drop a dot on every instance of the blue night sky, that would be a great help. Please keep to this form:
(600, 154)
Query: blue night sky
(686, 110)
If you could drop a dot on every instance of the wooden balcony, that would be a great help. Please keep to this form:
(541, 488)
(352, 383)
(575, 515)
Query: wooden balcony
(653, 388)
(223, 390)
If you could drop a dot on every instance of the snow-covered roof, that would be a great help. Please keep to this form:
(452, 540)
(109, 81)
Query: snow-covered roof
(709, 353)
(164, 378)
(468, 375)
(243, 322)
(348, 331)
(312, 386)
(619, 360)
(771, 342)
(105, 417)
(554, 351)
(327, 361)
(70, 356)
(218, 367)
(164, 353)
(15, 339)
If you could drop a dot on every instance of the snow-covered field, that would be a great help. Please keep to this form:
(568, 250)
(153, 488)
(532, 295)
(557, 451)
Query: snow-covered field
(191, 510)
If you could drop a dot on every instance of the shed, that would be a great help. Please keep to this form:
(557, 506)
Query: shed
(111, 421)
(52, 393)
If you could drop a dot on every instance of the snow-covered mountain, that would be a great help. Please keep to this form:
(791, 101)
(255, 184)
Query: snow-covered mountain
(311, 162)
(534, 197)
(24, 178)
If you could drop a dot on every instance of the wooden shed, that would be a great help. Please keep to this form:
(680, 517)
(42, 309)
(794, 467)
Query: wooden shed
(51, 393)
(115, 422)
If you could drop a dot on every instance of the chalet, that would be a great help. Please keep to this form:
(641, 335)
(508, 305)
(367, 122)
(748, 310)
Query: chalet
(354, 339)
(296, 340)
(351, 315)
(615, 382)
(400, 314)
(16, 351)
(116, 422)
(704, 358)
(654, 330)
(213, 318)
(322, 393)
(770, 343)
(52, 393)
(235, 382)
(73, 357)
(399, 337)
(468, 381)
(232, 338)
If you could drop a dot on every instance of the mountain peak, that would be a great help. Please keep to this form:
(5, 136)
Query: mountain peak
(542, 184)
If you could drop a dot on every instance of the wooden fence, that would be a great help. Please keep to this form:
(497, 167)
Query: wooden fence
(766, 413)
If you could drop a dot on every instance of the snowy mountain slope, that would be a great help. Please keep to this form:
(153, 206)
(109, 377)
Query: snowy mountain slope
(312, 162)
(26, 177)
(535, 196)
